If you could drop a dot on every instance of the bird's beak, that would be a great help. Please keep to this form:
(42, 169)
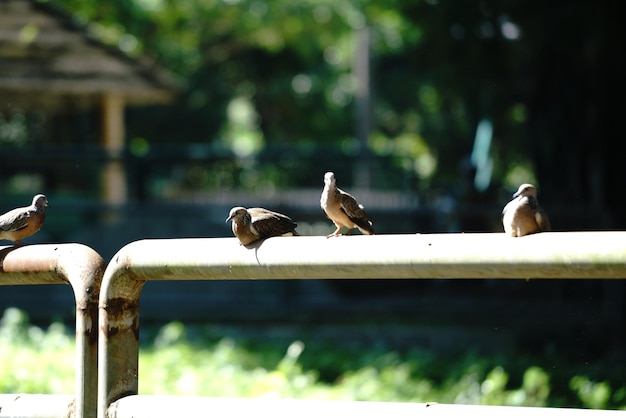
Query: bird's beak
(229, 218)
(515, 194)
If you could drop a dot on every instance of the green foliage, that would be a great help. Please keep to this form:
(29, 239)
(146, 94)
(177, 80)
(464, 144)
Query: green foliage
(594, 395)
(173, 362)
(175, 366)
(292, 62)
(438, 68)
(34, 360)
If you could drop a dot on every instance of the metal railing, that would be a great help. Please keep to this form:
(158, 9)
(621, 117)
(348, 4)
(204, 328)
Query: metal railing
(82, 268)
(144, 406)
(546, 255)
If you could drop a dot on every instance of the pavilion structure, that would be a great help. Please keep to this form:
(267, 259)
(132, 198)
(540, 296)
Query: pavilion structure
(49, 61)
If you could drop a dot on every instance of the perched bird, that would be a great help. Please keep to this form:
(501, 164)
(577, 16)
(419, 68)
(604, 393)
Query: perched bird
(20, 223)
(523, 215)
(253, 224)
(343, 209)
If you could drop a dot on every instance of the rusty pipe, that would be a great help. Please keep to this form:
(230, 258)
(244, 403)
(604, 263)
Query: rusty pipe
(410, 256)
(82, 268)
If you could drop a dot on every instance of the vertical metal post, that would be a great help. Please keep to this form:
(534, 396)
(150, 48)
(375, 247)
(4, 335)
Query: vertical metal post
(82, 268)
(119, 334)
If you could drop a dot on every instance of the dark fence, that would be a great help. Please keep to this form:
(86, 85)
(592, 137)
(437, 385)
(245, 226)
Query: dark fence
(187, 191)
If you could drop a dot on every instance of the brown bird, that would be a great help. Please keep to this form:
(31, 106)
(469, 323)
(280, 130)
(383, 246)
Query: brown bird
(523, 215)
(253, 224)
(343, 209)
(20, 223)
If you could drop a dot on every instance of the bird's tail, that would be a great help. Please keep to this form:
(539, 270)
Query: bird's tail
(366, 228)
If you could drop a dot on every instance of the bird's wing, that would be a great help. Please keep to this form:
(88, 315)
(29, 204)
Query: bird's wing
(354, 211)
(14, 220)
(350, 206)
(270, 224)
(542, 219)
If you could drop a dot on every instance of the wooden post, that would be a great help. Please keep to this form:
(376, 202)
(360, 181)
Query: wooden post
(114, 189)
(362, 97)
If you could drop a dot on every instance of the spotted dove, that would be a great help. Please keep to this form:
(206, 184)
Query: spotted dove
(20, 223)
(523, 215)
(343, 209)
(253, 224)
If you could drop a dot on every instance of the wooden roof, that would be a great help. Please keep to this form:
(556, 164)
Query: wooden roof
(45, 56)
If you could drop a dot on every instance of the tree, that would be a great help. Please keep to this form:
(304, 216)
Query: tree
(545, 74)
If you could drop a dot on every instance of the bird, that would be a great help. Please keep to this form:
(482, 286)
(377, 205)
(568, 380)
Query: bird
(523, 215)
(254, 224)
(342, 208)
(20, 223)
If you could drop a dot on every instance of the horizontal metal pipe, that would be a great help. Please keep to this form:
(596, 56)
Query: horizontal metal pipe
(415, 256)
(82, 268)
(37, 406)
(191, 407)
(545, 255)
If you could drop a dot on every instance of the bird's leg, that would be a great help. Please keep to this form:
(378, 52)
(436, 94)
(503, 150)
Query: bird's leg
(336, 233)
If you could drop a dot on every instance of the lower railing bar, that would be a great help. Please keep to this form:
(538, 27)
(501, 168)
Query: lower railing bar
(36, 406)
(82, 268)
(411, 256)
(153, 406)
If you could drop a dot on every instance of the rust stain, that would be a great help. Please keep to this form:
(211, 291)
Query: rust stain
(116, 307)
(119, 309)
(71, 409)
(92, 332)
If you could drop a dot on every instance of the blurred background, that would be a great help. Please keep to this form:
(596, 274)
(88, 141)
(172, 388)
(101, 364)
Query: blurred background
(152, 118)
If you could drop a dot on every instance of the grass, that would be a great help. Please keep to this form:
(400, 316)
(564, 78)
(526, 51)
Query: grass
(177, 361)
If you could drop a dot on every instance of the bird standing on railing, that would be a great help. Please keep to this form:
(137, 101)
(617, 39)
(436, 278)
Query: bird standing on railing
(343, 209)
(253, 224)
(20, 223)
(523, 215)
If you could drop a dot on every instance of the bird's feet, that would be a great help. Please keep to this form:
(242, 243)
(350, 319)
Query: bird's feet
(337, 234)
